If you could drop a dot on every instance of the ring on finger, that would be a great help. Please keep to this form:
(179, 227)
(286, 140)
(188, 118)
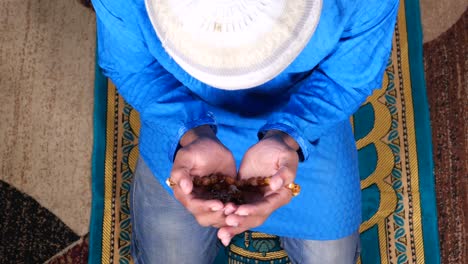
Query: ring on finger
(170, 183)
(294, 188)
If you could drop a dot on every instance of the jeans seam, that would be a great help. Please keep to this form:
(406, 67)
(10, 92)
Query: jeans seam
(301, 250)
(301, 259)
(137, 251)
(358, 249)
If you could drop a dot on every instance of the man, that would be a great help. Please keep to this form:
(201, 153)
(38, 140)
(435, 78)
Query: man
(246, 89)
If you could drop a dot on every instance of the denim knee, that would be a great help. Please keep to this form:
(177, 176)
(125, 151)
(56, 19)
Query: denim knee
(341, 251)
(163, 231)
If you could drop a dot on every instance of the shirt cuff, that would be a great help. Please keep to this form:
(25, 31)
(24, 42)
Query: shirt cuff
(303, 151)
(206, 120)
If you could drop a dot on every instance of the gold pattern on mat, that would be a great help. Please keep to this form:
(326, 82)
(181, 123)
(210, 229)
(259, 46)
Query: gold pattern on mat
(398, 218)
(246, 239)
(262, 235)
(410, 184)
(232, 261)
(121, 156)
(108, 221)
(256, 255)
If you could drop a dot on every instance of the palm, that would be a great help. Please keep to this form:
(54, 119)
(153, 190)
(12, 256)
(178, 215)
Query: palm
(261, 160)
(201, 157)
(269, 157)
(204, 157)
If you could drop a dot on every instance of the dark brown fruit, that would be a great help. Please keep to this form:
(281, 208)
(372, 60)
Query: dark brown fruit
(227, 189)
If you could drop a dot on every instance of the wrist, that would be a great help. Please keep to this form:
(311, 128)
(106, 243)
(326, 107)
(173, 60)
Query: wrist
(204, 131)
(287, 139)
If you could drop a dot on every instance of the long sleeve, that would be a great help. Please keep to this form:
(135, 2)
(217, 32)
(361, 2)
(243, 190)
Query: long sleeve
(342, 81)
(166, 107)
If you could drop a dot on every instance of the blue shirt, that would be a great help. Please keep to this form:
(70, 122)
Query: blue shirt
(311, 100)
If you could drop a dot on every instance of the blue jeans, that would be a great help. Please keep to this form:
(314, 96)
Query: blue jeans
(163, 231)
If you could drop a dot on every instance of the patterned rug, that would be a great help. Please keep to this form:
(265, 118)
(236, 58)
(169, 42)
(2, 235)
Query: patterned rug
(446, 68)
(393, 137)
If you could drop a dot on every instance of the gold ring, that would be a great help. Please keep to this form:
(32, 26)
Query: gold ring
(295, 188)
(170, 183)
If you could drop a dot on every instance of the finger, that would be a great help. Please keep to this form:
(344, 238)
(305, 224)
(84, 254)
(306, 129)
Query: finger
(282, 177)
(195, 205)
(267, 205)
(225, 234)
(200, 206)
(207, 213)
(215, 219)
(247, 222)
(274, 201)
(254, 215)
(234, 220)
(230, 208)
(182, 179)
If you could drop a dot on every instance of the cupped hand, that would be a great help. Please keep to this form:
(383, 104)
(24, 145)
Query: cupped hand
(275, 155)
(202, 154)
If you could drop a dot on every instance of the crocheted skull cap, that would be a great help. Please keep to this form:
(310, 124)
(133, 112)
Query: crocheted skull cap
(234, 44)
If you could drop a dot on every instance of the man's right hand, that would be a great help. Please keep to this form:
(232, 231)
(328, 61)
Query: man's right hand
(202, 154)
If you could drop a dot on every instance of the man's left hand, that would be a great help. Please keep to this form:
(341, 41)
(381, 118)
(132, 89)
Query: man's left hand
(275, 155)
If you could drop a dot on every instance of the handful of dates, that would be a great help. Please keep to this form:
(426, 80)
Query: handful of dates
(230, 190)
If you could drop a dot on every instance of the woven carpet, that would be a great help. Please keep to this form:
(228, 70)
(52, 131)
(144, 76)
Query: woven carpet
(393, 137)
(446, 67)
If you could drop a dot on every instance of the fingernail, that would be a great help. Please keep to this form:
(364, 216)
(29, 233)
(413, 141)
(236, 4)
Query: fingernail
(242, 213)
(229, 210)
(184, 185)
(277, 184)
(216, 208)
(226, 241)
(233, 224)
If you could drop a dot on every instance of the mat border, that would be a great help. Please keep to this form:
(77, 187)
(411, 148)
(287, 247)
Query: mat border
(423, 132)
(98, 162)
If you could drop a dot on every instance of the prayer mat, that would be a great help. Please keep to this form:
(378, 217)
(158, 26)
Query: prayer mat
(392, 133)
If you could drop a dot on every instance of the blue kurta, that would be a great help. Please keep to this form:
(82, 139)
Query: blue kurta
(311, 100)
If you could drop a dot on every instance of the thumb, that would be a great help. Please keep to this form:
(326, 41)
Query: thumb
(183, 180)
(284, 176)
(277, 180)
